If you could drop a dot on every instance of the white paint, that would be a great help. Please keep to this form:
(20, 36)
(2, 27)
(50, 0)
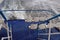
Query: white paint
(0, 26)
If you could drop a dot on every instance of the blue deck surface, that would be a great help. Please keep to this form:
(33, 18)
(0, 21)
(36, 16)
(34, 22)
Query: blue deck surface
(22, 32)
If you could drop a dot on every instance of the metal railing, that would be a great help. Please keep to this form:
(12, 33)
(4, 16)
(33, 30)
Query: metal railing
(43, 22)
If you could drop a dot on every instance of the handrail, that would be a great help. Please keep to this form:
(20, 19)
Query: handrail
(3, 15)
(39, 22)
